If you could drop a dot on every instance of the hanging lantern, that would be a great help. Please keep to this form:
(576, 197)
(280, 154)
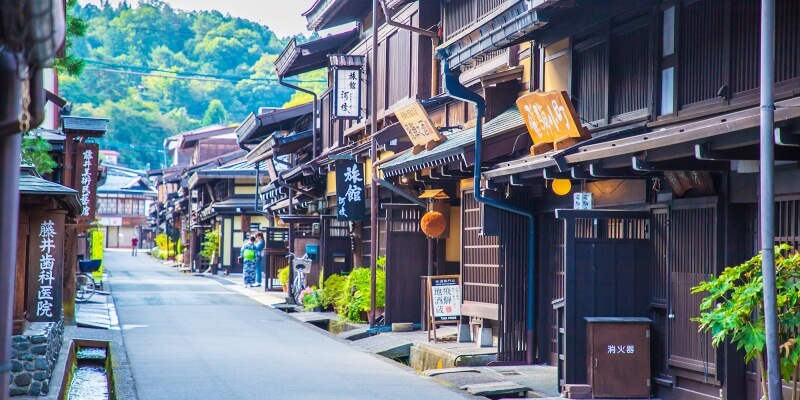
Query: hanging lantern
(433, 223)
(561, 187)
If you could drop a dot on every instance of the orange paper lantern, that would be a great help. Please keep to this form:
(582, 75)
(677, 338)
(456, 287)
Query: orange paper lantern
(433, 223)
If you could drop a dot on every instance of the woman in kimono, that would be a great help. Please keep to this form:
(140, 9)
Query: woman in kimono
(248, 257)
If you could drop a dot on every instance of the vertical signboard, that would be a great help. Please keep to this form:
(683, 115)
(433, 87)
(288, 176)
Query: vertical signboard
(86, 179)
(444, 301)
(45, 266)
(347, 90)
(349, 191)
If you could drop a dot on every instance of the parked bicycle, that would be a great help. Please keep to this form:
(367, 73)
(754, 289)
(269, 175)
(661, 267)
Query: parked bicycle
(302, 266)
(84, 282)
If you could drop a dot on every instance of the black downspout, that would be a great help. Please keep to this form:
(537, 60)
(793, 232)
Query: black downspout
(313, 114)
(456, 90)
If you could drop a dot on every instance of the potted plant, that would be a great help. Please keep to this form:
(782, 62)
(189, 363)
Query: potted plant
(355, 300)
(283, 277)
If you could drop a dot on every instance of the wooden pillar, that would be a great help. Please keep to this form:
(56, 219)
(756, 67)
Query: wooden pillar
(70, 266)
(19, 281)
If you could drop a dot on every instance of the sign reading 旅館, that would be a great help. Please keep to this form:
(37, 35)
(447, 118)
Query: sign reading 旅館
(551, 120)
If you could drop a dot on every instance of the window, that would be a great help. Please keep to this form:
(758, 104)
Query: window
(461, 14)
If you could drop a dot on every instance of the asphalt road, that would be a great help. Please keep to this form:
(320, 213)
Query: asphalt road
(190, 337)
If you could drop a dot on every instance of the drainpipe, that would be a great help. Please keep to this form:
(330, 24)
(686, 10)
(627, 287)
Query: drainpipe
(767, 197)
(455, 89)
(373, 186)
(313, 114)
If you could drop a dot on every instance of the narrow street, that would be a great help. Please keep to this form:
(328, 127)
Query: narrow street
(190, 337)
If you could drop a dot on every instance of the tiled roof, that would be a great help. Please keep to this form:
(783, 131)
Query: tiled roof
(31, 184)
(84, 124)
(454, 147)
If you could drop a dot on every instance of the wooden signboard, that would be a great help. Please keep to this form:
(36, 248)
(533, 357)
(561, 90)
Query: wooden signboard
(87, 162)
(45, 266)
(418, 126)
(444, 302)
(551, 120)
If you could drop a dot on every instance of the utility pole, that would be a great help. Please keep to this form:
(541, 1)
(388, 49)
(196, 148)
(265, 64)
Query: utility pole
(373, 153)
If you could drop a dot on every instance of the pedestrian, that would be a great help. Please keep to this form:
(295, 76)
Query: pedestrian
(259, 257)
(247, 256)
(134, 246)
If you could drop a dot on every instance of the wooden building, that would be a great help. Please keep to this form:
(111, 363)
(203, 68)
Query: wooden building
(668, 92)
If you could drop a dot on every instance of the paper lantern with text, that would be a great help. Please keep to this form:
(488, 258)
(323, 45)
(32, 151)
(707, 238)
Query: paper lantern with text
(433, 223)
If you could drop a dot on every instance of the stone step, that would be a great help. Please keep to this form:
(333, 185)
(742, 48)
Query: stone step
(495, 388)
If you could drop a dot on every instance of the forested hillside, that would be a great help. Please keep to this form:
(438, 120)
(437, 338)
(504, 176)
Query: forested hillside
(156, 71)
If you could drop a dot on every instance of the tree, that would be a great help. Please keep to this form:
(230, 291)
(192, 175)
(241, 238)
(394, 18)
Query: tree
(215, 114)
(316, 81)
(35, 151)
(76, 28)
(733, 311)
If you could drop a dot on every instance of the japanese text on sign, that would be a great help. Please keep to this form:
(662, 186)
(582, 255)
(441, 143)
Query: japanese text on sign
(445, 299)
(582, 201)
(549, 116)
(621, 349)
(44, 296)
(86, 182)
(415, 121)
(349, 191)
(347, 102)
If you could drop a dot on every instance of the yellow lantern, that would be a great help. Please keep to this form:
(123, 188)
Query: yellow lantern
(561, 187)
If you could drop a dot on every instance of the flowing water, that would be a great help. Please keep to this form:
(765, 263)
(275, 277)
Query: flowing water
(90, 379)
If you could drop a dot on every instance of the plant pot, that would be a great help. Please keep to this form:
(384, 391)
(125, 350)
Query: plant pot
(378, 314)
(285, 288)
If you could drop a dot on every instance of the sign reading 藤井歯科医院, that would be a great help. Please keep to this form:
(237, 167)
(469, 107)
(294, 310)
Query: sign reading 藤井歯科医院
(551, 119)
(350, 204)
(45, 264)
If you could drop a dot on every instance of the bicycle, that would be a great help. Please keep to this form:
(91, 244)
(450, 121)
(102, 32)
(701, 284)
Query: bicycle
(84, 282)
(302, 266)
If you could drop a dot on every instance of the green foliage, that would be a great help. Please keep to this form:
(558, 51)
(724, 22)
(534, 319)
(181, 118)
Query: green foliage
(312, 298)
(76, 28)
(283, 276)
(355, 299)
(332, 290)
(156, 71)
(732, 308)
(215, 114)
(161, 241)
(210, 245)
(35, 151)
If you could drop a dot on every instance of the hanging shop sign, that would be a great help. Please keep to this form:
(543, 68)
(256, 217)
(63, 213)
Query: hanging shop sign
(444, 302)
(86, 179)
(551, 120)
(45, 266)
(418, 126)
(347, 89)
(349, 191)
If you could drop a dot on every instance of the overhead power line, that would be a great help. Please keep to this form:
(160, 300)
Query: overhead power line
(160, 73)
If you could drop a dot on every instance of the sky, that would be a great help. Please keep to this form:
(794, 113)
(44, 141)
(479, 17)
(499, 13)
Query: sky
(282, 16)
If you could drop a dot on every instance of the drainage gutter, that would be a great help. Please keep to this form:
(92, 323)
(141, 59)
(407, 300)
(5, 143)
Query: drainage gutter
(456, 90)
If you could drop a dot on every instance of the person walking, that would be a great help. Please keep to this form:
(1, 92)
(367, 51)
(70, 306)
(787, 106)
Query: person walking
(134, 246)
(259, 257)
(247, 256)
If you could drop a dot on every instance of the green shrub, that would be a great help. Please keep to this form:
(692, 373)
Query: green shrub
(283, 276)
(311, 298)
(332, 290)
(155, 252)
(210, 245)
(355, 299)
